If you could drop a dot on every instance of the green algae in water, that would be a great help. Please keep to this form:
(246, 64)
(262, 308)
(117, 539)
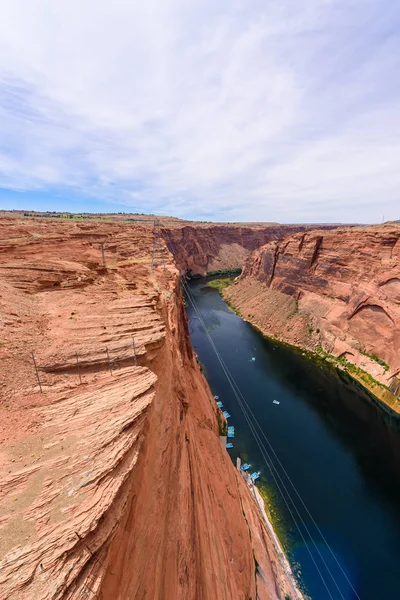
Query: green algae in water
(274, 507)
(329, 440)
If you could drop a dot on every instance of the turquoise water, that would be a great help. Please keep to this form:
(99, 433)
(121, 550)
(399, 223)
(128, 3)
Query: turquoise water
(341, 452)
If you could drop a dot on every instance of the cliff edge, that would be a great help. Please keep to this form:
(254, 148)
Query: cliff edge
(209, 248)
(335, 292)
(114, 483)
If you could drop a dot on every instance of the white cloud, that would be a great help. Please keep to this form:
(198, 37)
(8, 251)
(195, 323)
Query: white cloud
(260, 111)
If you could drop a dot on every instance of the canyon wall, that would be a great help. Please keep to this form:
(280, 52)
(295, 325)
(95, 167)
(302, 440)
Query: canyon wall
(114, 483)
(336, 290)
(206, 248)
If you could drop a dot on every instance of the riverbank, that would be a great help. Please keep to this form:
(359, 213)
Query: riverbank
(221, 283)
(297, 594)
(340, 453)
(279, 318)
(82, 492)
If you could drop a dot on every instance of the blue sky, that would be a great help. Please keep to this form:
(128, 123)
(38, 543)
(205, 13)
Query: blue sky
(260, 110)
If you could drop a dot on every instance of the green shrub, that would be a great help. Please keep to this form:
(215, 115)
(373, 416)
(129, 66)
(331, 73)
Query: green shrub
(220, 284)
(222, 424)
(376, 359)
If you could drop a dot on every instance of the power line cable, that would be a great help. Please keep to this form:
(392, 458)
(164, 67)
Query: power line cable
(298, 495)
(293, 486)
(244, 406)
(269, 462)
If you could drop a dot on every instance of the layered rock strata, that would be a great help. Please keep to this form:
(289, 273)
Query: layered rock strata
(336, 290)
(201, 249)
(114, 483)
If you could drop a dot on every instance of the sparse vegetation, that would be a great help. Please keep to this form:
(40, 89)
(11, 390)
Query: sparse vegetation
(380, 391)
(233, 309)
(376, 359)
(360, 374)
(222, 424)
(220, 284)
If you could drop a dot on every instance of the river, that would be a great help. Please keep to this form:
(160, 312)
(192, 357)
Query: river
(340, 451)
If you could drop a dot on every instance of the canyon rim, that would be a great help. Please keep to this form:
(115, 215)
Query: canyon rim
(114, 482)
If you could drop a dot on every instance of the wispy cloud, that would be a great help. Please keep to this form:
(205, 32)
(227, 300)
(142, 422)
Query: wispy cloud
(264, 110)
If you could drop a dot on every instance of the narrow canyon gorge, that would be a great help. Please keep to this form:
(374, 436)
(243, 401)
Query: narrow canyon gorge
(203, 248)
(114, 482)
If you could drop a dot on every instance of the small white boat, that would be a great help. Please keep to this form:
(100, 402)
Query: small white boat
(275, 402)
(216, 397)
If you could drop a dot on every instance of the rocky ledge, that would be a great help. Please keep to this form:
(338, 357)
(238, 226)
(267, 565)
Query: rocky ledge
(336, 292)
(114, 483)
(202, 249)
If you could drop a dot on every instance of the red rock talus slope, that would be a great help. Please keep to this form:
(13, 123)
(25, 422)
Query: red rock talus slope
(113, 480)
(205, 248)
(337, 289)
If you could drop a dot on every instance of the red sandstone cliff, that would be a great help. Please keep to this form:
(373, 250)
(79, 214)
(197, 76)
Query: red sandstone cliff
(204, 248)
(337, 289)
(113, 480)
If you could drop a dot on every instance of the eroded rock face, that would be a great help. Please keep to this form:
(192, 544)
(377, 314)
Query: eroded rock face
(207, 248)
(114, 483)
(339, 289)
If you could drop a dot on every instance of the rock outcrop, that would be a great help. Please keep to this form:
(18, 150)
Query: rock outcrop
(204, 248)
(114, 483)
(339, 290)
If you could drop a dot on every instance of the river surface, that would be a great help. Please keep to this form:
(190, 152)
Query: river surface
(340, 451)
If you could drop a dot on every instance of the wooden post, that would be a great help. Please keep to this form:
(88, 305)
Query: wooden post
(79, 369)
(109, 362)
(134, 350)
(37, 373)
